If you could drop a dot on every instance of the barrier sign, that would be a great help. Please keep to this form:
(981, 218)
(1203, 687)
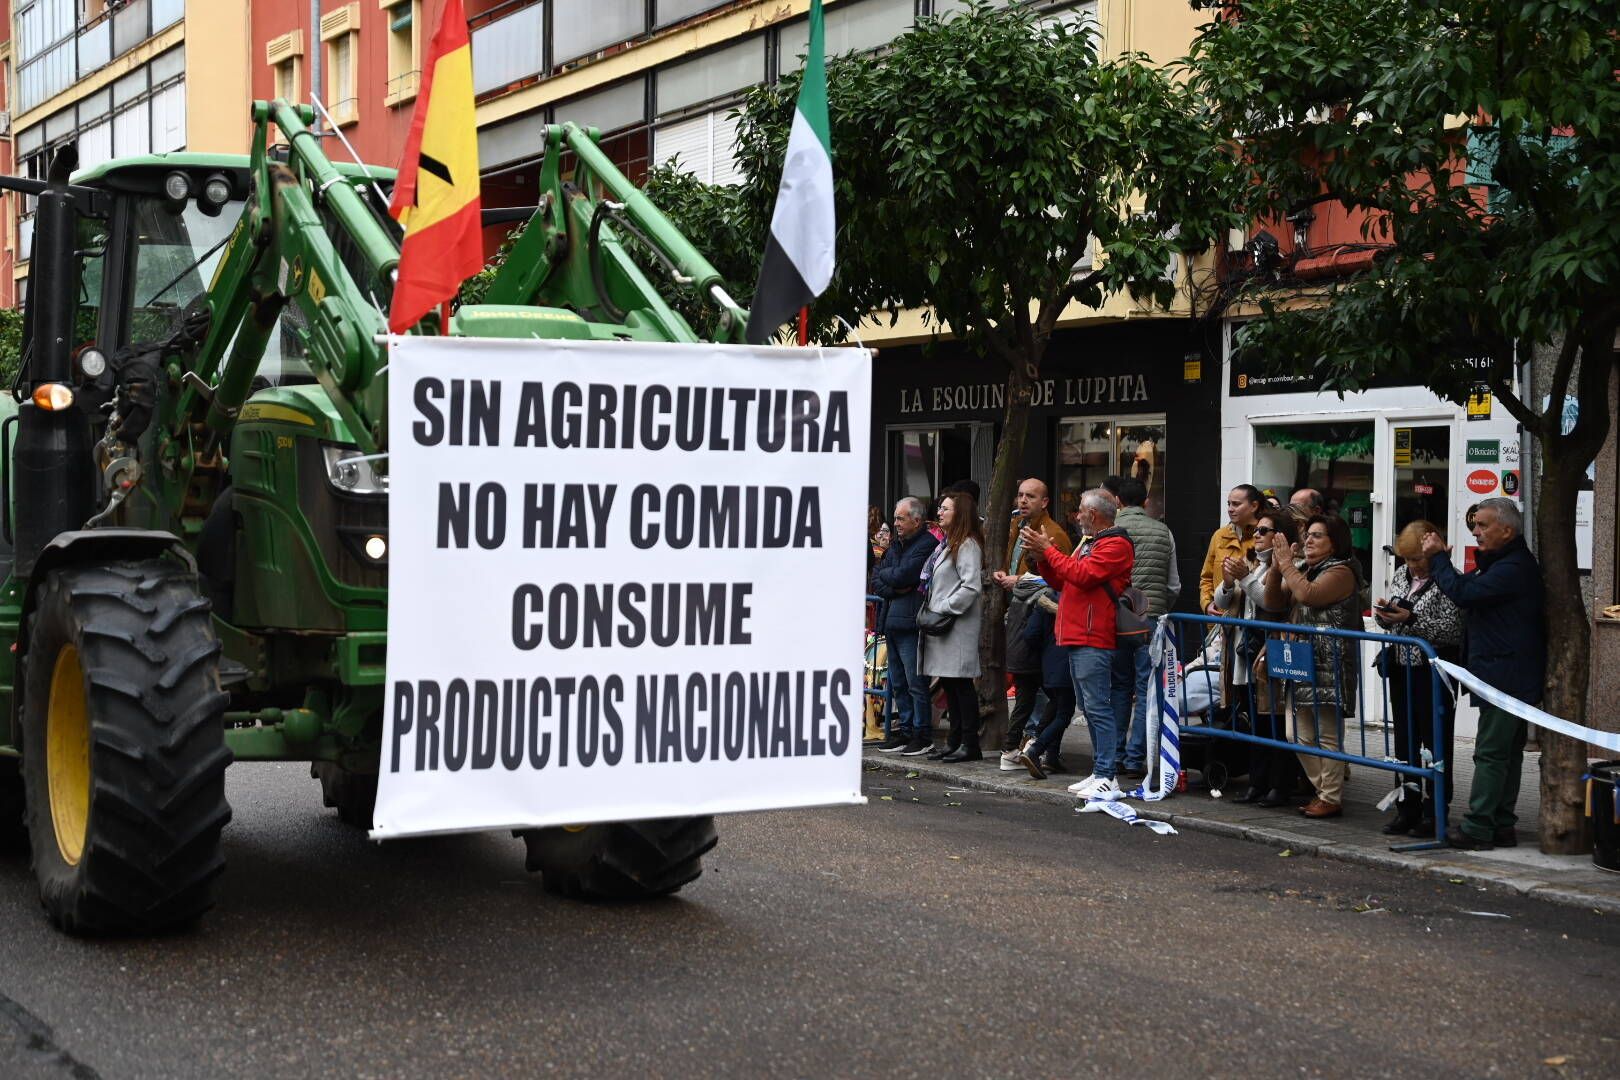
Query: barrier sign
(1294, 660)
(624, 581)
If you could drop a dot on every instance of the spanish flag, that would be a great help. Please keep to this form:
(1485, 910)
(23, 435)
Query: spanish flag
(436, 193)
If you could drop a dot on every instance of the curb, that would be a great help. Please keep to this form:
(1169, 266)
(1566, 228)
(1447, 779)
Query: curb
(1519, 881)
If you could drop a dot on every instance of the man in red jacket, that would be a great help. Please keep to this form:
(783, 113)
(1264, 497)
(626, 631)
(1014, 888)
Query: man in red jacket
(1085, 623)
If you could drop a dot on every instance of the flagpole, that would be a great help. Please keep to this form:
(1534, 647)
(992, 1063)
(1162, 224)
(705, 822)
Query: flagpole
(804, 325)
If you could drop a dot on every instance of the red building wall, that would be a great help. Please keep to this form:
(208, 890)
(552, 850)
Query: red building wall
(379, 133)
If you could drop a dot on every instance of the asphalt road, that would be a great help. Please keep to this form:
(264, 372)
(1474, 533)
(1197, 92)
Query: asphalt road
(932, 933)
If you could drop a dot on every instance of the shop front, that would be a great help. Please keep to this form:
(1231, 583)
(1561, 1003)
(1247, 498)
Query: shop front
(1113, 399)
(1382, 458)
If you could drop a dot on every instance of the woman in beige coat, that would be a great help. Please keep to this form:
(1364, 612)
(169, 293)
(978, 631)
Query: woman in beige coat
(953, 584)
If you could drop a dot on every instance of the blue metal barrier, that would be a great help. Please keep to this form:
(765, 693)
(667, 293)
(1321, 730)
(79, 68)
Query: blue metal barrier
(876, 608)
(1293, 681)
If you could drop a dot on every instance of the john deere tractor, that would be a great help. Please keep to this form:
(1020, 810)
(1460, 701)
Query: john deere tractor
(194, 498)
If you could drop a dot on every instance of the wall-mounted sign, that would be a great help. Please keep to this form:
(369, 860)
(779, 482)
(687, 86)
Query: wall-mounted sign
(1085, 390)
(1483, 451)
(1479, 404)
(1403, 447)
(1423, 489)
(1510, 483)
(1192, 370)
(1481, 481)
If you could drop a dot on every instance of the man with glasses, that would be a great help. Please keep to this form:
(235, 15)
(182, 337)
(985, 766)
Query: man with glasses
(895, 579)
(1505, 645)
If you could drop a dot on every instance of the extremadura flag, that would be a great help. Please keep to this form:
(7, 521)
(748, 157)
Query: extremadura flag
(798, 261)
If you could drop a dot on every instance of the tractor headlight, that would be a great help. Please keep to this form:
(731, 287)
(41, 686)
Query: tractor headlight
(352, 472)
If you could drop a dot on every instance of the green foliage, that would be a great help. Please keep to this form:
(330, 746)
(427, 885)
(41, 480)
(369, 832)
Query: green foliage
(973, 160)
(1374, 106)
(715, 218)
(11, 322)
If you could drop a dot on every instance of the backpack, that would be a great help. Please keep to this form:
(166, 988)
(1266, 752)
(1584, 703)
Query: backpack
(1130, 612)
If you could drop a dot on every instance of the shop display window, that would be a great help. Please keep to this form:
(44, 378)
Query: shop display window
(1334, 458)
(1091, 449)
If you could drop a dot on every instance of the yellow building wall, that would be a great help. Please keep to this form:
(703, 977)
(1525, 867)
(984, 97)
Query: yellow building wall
(217, 88)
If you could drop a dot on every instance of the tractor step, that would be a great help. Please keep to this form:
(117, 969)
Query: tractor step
(232, 673)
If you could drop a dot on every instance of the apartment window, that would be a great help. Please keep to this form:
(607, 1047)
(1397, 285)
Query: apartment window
(404, 50)
(850, 28)
(285, 56)
(582, 27)
(340, 31)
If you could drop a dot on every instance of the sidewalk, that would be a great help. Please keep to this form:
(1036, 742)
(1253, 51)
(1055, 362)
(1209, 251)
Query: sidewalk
(1571, 880)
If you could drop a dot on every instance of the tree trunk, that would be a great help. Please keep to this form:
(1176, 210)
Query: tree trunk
(1564, 829)
(997, 511)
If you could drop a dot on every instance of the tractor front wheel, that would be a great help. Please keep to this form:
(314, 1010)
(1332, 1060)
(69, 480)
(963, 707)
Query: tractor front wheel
(620, 860)
(353, 795)
(123, 746)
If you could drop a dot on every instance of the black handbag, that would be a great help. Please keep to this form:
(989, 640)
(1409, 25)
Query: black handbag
(934, 623)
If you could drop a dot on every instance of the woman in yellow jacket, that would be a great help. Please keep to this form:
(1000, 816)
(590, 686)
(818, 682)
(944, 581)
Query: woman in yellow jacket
(1234, 540)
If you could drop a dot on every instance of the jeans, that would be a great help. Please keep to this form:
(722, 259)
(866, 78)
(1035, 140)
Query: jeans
(1132, 676)
(909, 687)
(1027, 685)
(1090, 669)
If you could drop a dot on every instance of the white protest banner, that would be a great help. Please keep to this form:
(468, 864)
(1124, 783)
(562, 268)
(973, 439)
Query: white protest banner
(625, 581)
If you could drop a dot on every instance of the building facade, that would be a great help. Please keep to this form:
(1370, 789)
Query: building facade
(119, 78)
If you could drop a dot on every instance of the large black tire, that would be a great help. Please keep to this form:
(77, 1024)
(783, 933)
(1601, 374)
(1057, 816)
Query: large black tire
(625, 860)
(353, 795)
(124, 750)
(13, 829)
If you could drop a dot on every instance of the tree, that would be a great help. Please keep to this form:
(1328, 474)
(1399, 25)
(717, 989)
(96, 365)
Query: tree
(1481, 139)
(974, 165)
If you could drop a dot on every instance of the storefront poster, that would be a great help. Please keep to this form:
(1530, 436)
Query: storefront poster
(1482, 482)
(622, 584)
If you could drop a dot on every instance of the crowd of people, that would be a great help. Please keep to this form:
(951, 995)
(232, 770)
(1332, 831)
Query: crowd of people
(1083, 596)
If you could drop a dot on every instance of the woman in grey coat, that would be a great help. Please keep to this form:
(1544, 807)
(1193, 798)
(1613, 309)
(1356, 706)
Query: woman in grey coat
(953, 584)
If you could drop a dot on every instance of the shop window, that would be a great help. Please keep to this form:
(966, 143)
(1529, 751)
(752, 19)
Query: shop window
(1091, 449)
(404, 50)
(285, 56)
(340, 31)
(1334, 458)
(923, 460)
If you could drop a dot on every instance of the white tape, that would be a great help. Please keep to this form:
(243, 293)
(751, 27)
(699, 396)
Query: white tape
(1608, 740)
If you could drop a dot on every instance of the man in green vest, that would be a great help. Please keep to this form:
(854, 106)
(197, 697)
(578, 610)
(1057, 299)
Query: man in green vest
(1133, 667)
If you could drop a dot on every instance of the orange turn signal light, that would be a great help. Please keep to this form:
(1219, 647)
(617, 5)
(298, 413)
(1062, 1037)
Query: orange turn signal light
(53, 396)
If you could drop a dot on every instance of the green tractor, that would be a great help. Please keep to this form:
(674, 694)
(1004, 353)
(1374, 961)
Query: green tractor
(195, 499)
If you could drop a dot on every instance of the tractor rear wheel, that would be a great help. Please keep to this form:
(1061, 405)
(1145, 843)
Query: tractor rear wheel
(353, 795)
(124, 750)
(621, 860)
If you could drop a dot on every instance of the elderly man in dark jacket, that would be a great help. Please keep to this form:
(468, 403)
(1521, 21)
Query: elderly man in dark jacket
(1504, 643)
(895, 579)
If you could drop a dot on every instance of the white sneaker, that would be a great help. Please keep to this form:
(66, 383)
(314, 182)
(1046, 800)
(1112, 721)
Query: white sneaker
(1009, 761)
(1103, 789)
(1084, 787)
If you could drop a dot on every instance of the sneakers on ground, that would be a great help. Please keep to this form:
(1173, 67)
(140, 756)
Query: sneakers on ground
(1026, 761)
(1009, 758)
(917, 747)
(893, 743)
(1095, 787)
